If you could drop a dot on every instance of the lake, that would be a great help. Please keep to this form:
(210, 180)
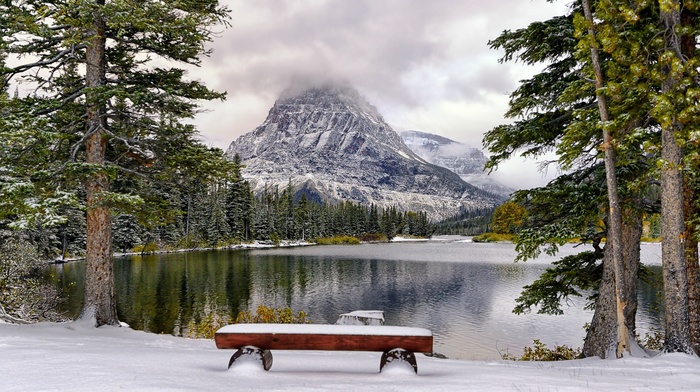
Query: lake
(463, 292)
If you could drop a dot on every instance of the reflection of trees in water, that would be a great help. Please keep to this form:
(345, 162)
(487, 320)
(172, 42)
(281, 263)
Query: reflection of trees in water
(164, 293)
(70, 279)
(650, 297)
(510, 271)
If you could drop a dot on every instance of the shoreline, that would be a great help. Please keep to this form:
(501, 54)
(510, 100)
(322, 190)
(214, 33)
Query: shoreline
(241, 246)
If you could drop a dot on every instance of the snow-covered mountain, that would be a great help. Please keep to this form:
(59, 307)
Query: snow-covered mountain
(467, 162)
(333, 145)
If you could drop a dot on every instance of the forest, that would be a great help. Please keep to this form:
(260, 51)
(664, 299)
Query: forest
(228, 213)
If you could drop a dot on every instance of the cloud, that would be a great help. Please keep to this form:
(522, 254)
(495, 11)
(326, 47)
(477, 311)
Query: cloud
(425, 65)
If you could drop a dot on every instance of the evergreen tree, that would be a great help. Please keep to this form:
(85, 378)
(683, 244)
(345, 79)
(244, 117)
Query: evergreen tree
(286, 211)
(126, 232)
(217, 227)
(558, 109)
(112, 44)
(373, 220)
(236, 200)
(71, 233)
(680, 79)
(301, 215)
(389, 223)
(247, 211)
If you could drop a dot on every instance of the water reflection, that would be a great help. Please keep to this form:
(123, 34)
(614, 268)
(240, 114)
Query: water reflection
(463, 292)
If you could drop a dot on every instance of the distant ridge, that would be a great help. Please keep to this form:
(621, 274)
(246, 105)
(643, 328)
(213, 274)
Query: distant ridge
(467, 162)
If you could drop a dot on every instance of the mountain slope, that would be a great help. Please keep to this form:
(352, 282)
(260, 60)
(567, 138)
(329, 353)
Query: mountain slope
(331, 144)
(467, 162)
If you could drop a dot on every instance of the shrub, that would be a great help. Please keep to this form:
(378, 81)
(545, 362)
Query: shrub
(150, 247)
(374, 237)
(493, 237)
(207, 326)
(338, 240)
(653, 339)
(24, 296)
(266, 314)
(540, 352)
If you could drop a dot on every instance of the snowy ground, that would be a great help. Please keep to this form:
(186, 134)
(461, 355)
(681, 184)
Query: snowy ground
(74, 357)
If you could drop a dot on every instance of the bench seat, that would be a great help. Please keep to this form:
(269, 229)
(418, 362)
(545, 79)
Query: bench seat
(258, 339)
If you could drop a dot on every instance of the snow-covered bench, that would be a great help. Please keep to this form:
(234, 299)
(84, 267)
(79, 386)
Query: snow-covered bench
(396, 343)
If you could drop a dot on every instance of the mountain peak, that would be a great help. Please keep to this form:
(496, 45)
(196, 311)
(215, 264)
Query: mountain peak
(321, 119)
(333, 95)
(328, 87)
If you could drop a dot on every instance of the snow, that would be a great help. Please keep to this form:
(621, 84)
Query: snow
(77, 357)
(325, 329)
(403, 154)
(399, 238)
(362, 317)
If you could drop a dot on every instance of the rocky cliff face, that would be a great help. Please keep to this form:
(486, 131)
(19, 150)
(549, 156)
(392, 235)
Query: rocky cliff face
(467, 162)
(333, 145)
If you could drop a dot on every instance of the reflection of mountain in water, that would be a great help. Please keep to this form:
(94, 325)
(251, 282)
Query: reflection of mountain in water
(406, 290)
(467, 305)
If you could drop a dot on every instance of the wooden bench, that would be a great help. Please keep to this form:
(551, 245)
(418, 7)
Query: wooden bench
(396, 343)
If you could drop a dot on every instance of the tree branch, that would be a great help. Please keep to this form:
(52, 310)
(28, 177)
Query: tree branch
(6, 317)
(42, 63)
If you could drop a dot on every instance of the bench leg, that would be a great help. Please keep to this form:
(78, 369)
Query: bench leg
(398, 354)
(264, 356)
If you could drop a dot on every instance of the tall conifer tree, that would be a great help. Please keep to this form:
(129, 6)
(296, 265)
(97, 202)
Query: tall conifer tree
(112, 43)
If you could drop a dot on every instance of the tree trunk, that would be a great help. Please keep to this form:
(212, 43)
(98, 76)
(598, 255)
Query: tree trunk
(691, 265)
(631, 240)
(601, 337)
(672, 224)
(673, 248)
(690, 209)
(99, 301)
(614, 235)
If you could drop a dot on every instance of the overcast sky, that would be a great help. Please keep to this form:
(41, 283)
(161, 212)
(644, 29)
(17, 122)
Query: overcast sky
(425, 64)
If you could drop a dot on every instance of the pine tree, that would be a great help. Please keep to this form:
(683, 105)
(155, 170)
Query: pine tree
(373, 220)
(217, 227)
(675, 68)
(301, 215)
(112, 44)
(614, 233)
(558, 109)
(125, 232)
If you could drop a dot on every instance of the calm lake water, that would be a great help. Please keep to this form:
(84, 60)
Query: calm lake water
(463, 292)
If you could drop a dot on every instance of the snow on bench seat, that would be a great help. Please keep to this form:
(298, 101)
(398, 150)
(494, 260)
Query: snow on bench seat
(326, 329)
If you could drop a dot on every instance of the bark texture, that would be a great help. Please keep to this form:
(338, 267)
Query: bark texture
(692, 265)
(688, 18)
(99, 301)
(602, 333)
(672, 224)
(601, 337)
